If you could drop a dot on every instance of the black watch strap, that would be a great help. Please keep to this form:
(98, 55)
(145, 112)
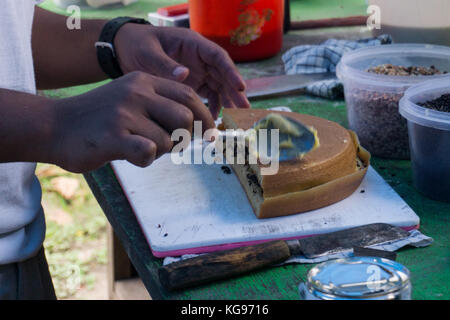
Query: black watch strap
(106, 53)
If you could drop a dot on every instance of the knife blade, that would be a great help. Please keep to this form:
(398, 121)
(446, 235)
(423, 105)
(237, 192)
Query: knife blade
(340, 241)
(283, 84)
(301, 143)
(225, 264)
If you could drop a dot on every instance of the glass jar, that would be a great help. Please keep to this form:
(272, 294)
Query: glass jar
(357, 278)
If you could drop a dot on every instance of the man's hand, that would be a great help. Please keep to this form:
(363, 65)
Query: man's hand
(183, 55)
(172, 53)
(130, 118)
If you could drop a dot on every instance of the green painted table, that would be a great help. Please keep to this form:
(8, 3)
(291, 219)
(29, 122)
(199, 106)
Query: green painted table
(430, 266)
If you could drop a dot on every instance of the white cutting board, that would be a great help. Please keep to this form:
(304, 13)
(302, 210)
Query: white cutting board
(198, 208)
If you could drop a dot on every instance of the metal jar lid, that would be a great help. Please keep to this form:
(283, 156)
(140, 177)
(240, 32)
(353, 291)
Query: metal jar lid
(359, 278)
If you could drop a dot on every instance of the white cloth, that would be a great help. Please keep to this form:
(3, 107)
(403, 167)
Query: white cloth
(22, 224)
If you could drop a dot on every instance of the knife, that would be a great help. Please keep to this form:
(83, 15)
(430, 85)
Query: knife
(283, 84)
(300, 144)
(225, 264)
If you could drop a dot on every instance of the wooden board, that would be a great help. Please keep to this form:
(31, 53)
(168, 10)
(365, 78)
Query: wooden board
(198, 208)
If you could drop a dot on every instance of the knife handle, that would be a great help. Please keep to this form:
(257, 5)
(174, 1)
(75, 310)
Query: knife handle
(222, 264)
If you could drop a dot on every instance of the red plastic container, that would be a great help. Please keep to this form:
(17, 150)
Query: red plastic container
(247, 29)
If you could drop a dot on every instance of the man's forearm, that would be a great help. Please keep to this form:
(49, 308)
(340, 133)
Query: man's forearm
(26, 127)
(64, 57)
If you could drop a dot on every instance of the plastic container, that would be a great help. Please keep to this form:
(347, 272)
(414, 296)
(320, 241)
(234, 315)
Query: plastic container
(429, 139)
(416, 21)
(372, 99)
(357, 278)
(247, 29)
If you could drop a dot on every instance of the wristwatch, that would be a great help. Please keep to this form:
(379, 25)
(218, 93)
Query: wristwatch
(106, 53)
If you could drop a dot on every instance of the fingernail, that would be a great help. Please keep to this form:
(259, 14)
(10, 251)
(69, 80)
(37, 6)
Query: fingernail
(179, 71)
(242, 86)
(246, 103)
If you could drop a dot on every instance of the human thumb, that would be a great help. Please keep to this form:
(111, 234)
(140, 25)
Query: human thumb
(168, 68)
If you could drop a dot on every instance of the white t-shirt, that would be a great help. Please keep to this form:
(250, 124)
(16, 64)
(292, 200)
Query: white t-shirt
(22, 224)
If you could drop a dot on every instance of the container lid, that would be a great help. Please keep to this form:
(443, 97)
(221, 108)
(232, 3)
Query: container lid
(353, 64)
(357, 278)
(423, 92)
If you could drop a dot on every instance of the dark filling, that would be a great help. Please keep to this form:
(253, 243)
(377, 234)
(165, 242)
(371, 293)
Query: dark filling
(252, 179)
(359, 164)
(226, 169)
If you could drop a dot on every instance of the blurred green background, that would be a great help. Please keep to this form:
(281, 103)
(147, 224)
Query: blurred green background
(300, 9)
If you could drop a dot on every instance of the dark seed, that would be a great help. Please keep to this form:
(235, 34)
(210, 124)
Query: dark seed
(440, 104)
(375, 118)
(226, 169)
(392, 70)
(252, 178)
